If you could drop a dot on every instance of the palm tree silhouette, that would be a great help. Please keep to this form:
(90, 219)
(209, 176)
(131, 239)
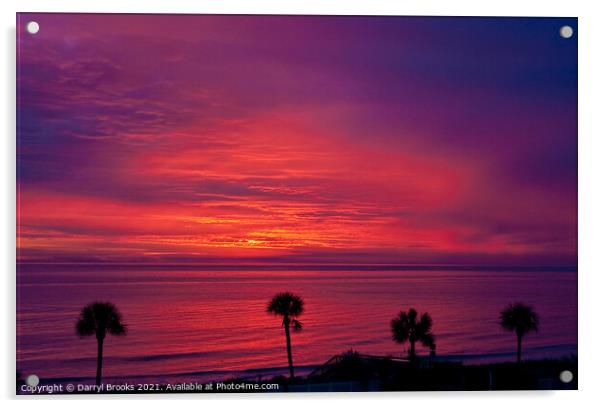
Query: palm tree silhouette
(100, 318)
(521, 319)
(407, 327)
(289, 306)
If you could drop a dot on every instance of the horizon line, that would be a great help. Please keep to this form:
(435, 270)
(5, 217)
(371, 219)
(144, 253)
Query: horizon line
(309, 265)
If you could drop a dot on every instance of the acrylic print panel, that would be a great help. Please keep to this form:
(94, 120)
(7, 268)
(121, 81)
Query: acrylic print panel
(220, 203)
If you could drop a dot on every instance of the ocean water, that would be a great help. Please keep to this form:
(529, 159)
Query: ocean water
(186, 324)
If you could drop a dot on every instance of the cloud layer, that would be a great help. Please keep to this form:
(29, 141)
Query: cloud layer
(298, 139)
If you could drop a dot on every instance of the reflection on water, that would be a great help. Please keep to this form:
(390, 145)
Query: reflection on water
(187, 321)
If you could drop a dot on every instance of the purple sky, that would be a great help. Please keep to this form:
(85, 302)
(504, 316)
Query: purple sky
(164, 138)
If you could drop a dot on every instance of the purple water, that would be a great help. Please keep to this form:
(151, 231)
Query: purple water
(198, 324)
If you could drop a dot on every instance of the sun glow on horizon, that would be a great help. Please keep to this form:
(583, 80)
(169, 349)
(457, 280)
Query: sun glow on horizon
(288, 147)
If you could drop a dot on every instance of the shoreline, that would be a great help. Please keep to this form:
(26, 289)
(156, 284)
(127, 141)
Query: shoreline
(390, 375)
(261, 375)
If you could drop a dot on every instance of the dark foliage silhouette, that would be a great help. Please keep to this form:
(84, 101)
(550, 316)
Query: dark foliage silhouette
(407, 327)
(289, 306)
(100, 319)
(521, 319)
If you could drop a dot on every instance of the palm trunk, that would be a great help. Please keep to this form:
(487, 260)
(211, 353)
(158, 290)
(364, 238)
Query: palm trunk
(519, 344)
(287, 332)
(412, 350)
(99, 362)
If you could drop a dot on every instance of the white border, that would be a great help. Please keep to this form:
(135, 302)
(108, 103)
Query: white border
(590, 195)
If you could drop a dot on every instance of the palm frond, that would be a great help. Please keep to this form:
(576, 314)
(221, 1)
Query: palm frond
(400, 328)
(85, 327)
(286, 304)
(424, 325)
(100, 318)
(408, 326)
(297, 325)
(428, 340)
(519, 318)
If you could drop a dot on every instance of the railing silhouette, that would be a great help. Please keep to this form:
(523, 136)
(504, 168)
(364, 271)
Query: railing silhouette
(337, 359)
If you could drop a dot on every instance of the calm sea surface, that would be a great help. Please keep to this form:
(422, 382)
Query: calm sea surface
(196, 324)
